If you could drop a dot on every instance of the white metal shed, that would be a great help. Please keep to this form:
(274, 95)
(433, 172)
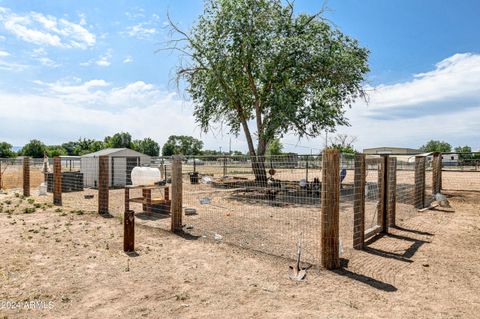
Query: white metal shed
(120, 164)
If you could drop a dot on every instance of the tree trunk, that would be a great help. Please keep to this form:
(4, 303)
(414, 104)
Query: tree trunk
(258, 166)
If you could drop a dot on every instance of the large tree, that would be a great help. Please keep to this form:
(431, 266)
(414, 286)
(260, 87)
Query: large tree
(258, 63)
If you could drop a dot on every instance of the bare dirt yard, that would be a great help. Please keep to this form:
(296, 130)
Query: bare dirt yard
(71, 262)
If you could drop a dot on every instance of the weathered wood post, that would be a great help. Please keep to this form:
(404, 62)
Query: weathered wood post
(419, 182)
(359, 202)
(103, 186)
(26, 176)
(129, 231)
(330, 206)
(57, 181)
(1, 173)
(437, 173)
(392, 192)
(382, 209)
(176, 194)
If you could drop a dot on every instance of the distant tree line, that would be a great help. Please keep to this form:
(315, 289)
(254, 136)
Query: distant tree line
(176, 144)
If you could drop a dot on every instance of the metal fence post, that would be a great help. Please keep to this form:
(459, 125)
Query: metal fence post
(176, 194)
(330, 199)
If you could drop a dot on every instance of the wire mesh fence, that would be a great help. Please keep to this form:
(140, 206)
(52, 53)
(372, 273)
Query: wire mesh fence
(464, 175)
(269, 204)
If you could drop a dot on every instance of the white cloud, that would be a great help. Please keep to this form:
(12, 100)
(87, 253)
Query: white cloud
(140, 108)
(104, 60)
(141, 31)
(10, 66)
(40, 54)
(440, 104)
(128, 59)
(43, 29)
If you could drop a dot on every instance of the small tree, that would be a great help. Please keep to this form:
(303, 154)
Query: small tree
(34, 148)
(275, 147)
(146, 146)
(119, 140)
(182, 144)
(6, 150)
(55, 150)
(257, 61)
(436, 146)
(343, 143)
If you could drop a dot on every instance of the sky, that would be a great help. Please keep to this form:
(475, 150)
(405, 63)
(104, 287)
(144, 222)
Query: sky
(71, 69)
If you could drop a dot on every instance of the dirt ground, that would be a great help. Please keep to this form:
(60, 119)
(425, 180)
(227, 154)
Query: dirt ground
(72, 263)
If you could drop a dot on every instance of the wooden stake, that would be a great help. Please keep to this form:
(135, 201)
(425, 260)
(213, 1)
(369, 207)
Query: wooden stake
(419, 182)
(26, 176)
(103, 187)
(392, 192)
(129, 231)
(57, 181)
(383, 193)
(330, 209)
(437, 173)
(176, 194)
(359, 202)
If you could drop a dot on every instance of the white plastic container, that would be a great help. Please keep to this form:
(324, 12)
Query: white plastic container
(144, 176)
(42, 189)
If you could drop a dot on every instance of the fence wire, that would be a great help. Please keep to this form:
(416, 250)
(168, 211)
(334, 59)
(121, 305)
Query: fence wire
(268, 204)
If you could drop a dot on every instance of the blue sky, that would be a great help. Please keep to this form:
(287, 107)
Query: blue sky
(71, 69)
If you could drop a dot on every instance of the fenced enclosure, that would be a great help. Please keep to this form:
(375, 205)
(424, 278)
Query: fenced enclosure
(327, 205)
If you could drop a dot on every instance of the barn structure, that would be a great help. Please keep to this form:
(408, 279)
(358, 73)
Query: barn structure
(120, 164)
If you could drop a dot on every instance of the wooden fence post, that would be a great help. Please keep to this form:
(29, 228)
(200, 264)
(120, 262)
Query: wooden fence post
(382, 208)
(359, 202)
(129, 231)
(176, 194)
(103, 186)
(392, 191)
(57, 181)
(26, 176)
(330, 209)
(437, 173)
(419, 182)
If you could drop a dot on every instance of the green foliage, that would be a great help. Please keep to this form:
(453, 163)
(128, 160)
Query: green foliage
(34, 148)
(55, 150)
(348, 149)
(343, 143)
(146, 146)
(6, 150)
(258, 61)
(436, 146)
(182, 145)
(275, 147)
(466, 156)
(119, 140)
